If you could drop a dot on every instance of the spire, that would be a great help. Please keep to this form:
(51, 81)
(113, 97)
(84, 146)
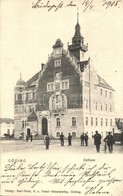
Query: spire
(77, 17)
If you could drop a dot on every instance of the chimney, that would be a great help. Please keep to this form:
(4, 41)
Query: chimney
(42, 66)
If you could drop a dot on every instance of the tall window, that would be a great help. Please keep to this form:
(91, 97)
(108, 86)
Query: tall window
(91, 121)
(16, 110)
(57, 122)
(110, 108)
(101, 121)
(73, 121)
(96, 123)
(27, 96)
(110, 95)
(50, 86)
(33, 95)
(65, 84)
(58, 102)
(86, 122)
(111, 122)
(20, 96)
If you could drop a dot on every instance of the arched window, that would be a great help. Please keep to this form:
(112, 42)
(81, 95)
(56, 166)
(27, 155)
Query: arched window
(73, 134)
(96, 122)
(58, 102)
(57, 122)
(57, 134)
(73, 121)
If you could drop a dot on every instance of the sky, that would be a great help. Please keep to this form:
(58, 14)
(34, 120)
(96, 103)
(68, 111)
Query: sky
(28, 34)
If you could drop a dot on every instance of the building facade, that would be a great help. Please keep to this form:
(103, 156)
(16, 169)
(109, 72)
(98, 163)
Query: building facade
(66, 95)
(6, 127)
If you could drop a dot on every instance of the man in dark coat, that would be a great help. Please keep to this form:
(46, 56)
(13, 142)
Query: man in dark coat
(86, 139)
(82, 139)
(62, 139)
(47, 141)
(110, 141)
(97, 140)
(69, 139)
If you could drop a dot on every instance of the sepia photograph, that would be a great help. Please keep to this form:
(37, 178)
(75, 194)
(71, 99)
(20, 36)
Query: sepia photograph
(61, 92)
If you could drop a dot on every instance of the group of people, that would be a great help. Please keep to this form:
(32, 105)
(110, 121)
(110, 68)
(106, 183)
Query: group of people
(109, 140)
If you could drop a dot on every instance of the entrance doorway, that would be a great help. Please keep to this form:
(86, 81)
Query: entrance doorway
(28, 132)
(44, 126)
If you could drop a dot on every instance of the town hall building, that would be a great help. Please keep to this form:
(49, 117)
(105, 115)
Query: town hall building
(66, 95)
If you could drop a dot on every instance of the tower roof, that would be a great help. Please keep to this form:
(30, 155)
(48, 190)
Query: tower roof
(20, 81)
(77, 28)
(58, 44)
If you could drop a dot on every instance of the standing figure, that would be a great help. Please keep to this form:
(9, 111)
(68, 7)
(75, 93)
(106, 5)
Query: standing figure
(69, 139)
(27, 137)
(86, 139)
(47, 141)
(31, 136)
(110, 141)
(82, 139)
(62, 139)
(97, 141)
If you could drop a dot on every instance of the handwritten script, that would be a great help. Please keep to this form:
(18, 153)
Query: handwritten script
(85, 5)
(88, 178)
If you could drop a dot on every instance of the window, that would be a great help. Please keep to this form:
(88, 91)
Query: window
(20, 96)
(86, 122)
(110, 95)
(111, 122)
(23, 122)
(26, 96)
(57, 63)
(73, 121)
(57, 102)
(57, 122)
(50, 86)
(73, 134)
(101, 121)
(16, 110)
(91, 121)
(101, 92)
(106, 122)
(110, 108)
(65, 84)
(57, 134)
(96, 122)
(33, 95)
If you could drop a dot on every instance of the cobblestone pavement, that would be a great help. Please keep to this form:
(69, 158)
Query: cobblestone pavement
(21, 146)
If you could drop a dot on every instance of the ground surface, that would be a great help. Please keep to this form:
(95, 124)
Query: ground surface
(21, 146)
